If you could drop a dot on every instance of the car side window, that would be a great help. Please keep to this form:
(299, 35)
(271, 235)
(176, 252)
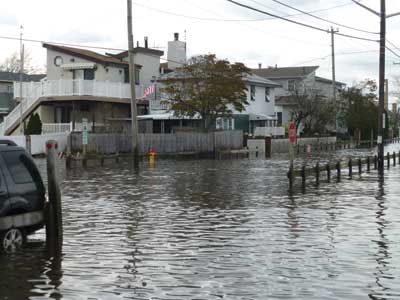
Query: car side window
(16, 164)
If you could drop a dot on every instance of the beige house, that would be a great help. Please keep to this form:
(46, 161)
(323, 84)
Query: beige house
(84, 84)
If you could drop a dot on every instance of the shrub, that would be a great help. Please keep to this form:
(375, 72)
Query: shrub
(34, 125)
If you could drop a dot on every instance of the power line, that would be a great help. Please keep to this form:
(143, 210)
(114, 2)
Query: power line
(233, 20)
(397, 55)
(395, 47)
(298, 23)
(319, 18)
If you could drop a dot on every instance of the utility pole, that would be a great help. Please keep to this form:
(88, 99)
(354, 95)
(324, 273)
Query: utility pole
(381, 109)
(21, 74)
(134, 122)
(332, 31)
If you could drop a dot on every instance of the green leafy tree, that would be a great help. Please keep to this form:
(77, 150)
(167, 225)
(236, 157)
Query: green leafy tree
(360, 110)
(207, 87)
(34, 125)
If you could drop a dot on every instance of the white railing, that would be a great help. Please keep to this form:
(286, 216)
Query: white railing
(157, 105)
(32, 91)
(272, 131)
(48, 128)
(77, 87)
(56, 127)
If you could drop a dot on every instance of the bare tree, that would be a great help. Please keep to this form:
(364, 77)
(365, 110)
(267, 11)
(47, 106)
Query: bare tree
(12, 64)
(312, 110)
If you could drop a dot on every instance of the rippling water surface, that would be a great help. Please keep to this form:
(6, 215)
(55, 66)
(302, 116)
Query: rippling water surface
(204, 229)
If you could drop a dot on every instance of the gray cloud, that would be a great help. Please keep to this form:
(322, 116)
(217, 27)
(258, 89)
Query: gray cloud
(78, 36)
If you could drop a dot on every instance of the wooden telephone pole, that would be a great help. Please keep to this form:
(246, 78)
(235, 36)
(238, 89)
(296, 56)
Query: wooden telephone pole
(332, 32)
(381, 110)
(134, 122)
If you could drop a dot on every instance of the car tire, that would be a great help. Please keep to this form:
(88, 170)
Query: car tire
(12, 240)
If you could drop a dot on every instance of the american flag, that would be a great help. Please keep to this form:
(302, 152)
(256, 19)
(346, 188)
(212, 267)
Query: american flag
(148, 91)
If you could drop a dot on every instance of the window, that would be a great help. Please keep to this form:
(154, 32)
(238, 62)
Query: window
(137, 76)
(279, 115)
(267, 94)
(291, 85)
(126, 75)
(253, 93)
(88, 74)
(225, 123)
(58, 60)
(16, 162)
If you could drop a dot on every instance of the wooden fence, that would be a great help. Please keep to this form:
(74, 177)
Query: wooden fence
(180, 142)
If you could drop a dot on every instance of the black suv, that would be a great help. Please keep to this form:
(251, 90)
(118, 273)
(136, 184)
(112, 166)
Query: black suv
(22, 196)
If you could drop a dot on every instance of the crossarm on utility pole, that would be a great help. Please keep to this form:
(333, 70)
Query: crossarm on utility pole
(367, 8)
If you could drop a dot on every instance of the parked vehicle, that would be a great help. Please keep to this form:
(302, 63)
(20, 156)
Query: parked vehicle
(22, 196)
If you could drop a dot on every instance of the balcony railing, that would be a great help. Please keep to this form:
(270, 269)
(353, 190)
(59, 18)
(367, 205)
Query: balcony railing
(77, 87)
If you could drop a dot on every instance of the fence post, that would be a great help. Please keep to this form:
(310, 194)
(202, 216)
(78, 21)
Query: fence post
(328, 172)
(290, 176)
(368, 164)
(350, 168)
(388, 160)
(338, 171)
(303, 177)
(317, 174)
(359, 166)
(375, 162)
(54, 232)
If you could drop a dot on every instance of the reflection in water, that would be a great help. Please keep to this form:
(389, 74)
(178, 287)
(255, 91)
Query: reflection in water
(31, 273)
(214, 230)
(383, 256)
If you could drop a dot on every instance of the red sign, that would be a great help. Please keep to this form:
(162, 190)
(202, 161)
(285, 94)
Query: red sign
(292, 133)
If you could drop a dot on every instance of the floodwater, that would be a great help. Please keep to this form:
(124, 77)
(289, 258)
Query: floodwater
(204, 229)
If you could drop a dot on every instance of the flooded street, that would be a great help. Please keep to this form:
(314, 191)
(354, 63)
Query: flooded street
(205, 229)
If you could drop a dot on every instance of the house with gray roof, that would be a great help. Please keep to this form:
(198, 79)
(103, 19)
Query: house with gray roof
(296, 79)
(260, 111)
(7, 79)
(82, 84)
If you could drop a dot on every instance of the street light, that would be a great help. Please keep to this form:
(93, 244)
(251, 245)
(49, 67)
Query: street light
(382, 47)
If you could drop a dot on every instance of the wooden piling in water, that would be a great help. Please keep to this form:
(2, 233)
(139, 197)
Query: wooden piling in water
(388, 160)
(375, 162)
(368, 164)
(328, 172)
(303, 177)
(54, 231)
(394, 158)
(350, 168)
(359, 166)
(291, 177)
(338, 171)
(317, 174)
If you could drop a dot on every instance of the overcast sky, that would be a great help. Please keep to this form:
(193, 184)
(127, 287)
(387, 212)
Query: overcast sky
(212, 26)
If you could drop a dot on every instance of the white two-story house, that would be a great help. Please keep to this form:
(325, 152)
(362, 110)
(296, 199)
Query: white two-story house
(83, 84)
(292, 79)
(260, 111)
